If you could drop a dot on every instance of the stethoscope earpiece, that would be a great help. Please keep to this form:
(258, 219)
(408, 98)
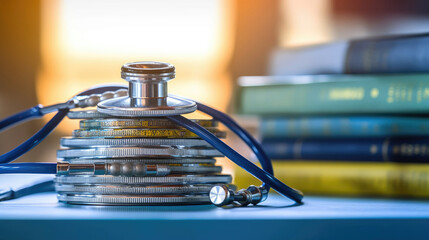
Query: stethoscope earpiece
(221, 195)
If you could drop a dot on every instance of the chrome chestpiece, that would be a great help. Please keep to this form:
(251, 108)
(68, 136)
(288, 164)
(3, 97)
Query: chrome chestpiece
(147, 93)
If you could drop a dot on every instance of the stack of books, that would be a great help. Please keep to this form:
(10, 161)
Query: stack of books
(346, 118)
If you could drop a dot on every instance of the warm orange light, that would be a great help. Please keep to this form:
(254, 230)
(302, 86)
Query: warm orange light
(85, 43)
(305, 22)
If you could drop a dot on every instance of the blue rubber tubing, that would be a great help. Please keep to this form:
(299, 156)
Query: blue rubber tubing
(243, 134)
(234, 156)
(38, 168)
(25, 115)
(35, 139)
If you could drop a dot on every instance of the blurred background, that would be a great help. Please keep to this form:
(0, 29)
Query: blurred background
(52, 49)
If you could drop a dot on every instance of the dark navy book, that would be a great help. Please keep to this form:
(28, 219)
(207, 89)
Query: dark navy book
(390, 54)
(407, 53)
(397, 149)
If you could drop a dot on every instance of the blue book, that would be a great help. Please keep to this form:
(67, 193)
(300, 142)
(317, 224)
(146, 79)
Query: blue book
(399, 149)
(352, 126)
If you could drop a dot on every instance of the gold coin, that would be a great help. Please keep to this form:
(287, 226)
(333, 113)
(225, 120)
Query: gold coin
(140, 123)
(143, 133)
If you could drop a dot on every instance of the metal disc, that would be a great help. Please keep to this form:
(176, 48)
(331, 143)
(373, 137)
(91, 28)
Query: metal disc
(143, 133)
(140, 190)
(147, 161)
(136, 152)
(187, 169)
(169, 180)
(122, 106)
(133, 142)
(88, 114)
(140, 123)
(93, 199)
(195, 169)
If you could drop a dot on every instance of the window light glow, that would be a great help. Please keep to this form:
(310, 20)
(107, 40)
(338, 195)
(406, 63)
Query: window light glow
(85, 43)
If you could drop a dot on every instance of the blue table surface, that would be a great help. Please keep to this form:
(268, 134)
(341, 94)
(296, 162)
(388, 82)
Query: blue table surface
(45, 206)
(40, 216)
(277, 218)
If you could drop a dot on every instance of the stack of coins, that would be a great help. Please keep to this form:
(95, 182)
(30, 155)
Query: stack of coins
(145, 161)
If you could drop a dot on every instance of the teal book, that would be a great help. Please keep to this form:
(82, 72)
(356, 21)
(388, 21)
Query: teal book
(334, 94)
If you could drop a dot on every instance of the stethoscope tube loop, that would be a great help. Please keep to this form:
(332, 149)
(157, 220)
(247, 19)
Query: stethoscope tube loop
(37, 112)
(234, 156)
(34, 112)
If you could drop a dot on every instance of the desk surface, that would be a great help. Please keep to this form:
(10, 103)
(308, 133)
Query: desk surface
(277, 218)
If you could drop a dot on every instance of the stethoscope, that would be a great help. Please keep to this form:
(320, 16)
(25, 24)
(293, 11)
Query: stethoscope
(147, 96)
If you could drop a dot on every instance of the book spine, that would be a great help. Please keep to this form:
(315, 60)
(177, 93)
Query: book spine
(344, 94)
(388, 55)
(412, 150)
(353, 179)
(353, 126)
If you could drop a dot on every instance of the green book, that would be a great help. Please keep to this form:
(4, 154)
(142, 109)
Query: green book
(335, 94)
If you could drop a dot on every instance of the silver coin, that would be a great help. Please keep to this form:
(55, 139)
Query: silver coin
(88, 114)
(94, 199)
(206, 161)
(163, 170)
(140, 123)
(195, 169)
(136, 152)
(127, 189)
(133, 142)
(169, 180)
